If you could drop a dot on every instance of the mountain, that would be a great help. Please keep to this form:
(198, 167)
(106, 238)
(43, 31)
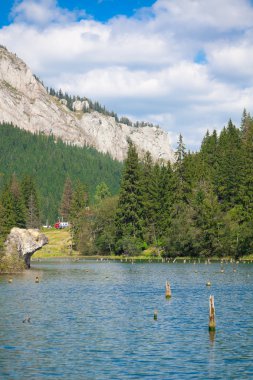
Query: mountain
(25, 102)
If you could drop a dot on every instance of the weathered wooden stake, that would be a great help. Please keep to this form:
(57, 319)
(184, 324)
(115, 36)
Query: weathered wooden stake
(167, 290)
(212, 324)
(37, 280)
(155, 314)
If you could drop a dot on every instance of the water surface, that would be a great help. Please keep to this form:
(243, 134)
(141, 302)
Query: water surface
(94, 320)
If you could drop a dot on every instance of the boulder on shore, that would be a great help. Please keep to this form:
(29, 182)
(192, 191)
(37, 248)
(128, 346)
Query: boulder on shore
(24, 242)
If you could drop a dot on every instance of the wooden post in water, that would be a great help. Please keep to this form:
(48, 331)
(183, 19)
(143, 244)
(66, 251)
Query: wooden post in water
(167, 290)
(212, 323)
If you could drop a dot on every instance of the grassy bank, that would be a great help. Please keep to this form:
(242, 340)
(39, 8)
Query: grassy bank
(59, 244)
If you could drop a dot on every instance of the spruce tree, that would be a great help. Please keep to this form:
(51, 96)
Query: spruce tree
(18, 202)
(32, 218)
(8, 214)
(246, 183)
(65, 206)
(182, 187)
(166, 200)
(208, 220)
(128, 217)
(149, 182)
(79, 204)
(31, 202)
(228, 174)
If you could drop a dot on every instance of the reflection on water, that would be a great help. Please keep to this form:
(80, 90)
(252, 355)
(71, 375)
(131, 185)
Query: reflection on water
(95, 320)
(211, 337)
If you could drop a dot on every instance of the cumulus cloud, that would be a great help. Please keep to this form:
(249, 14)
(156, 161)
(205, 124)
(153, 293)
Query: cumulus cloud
(42, 12)
(148, 66)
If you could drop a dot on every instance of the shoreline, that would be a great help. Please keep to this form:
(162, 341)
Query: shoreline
(185, 260)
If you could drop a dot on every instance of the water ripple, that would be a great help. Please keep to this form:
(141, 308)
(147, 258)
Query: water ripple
(94, 320)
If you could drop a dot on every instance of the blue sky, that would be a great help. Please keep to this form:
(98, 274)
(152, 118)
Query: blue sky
(183, 64)
(100, 10)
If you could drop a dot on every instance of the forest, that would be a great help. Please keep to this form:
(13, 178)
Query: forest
(50, 162)
(199, 206)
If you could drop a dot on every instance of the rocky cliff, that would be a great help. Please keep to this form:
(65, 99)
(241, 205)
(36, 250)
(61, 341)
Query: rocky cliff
(25, 102)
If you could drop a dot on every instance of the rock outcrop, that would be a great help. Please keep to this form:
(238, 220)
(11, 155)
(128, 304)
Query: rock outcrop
(25, 243)
(25, 103)
(79, 105)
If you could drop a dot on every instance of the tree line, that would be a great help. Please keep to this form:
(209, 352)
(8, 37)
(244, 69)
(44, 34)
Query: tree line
(199, 206)
(95, 106)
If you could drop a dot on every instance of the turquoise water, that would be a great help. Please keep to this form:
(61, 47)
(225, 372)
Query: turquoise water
(94, 320)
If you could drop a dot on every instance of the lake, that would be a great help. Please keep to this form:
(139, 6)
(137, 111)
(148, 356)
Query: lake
(95, 320)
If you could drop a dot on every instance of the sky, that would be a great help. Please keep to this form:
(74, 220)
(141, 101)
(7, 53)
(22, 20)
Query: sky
(183, 64)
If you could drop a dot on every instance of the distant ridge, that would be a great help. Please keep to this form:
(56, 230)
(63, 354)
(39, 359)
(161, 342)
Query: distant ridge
(26, 103)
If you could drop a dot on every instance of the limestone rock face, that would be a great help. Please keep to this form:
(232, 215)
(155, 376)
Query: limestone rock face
(25, 242)
(25, 102)
(79, 105)
(111, 137)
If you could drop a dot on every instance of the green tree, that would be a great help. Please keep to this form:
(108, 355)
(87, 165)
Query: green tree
(208, 220)
(246, 183)
(31, 202)
(149, 186)
(166, 191)
(229, 167)
(18, 202)
(102, 192)
(79, 204)
(104, 226)
(182, 188)
(128, 217)
(8, 216)
(66, 200)
(32, 214)
(183, 233)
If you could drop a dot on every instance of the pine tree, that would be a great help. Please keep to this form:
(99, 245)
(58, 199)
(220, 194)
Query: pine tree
(128, 216)
(31, 202)
(166, 200)
(208, 157)
(182, 188)
(246, 183)
(79, 204)
(66, 200)
(32, 218)
(228, 174)
(149, 182)
(8, 215)
(79, 200)
(208, 220)
(18, 202)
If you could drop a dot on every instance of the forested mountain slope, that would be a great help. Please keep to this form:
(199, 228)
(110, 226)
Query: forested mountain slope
(50, 162)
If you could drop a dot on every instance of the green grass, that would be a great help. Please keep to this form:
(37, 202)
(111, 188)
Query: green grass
(59, 244)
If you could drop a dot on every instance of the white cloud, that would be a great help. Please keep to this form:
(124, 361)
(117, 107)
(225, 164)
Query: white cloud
(41, 12)
(196, 15)
(144, 66)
